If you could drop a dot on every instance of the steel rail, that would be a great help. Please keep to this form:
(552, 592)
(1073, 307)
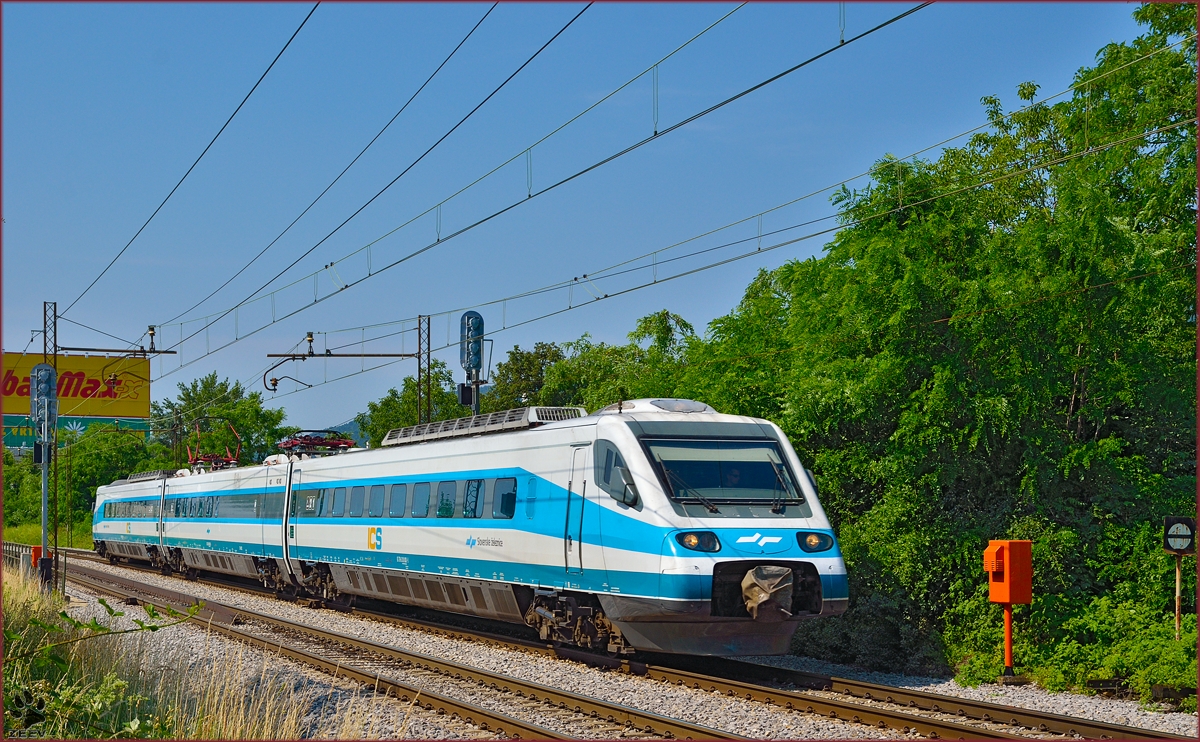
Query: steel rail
(492, 721)
(621, 715)
(734, 674)
(964, 707)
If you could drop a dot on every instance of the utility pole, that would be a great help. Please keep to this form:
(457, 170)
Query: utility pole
(424, 371)
(43, 417)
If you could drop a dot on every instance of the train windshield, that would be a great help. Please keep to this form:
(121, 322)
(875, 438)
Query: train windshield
(725, 471)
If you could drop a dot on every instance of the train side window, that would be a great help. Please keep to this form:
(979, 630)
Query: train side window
(326, 503)
(310, 503)
(357, 496)
(375, 509)
(272, 505)
(191, 507)
(339, 502)
(447, 493)
(420, 502)
(504, 498)
(399, 498)
(208, 507)
(473, 499)
(216, 506)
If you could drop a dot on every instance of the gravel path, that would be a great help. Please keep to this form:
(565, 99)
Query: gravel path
(336, 708)
(746, 718)
(1098, 708)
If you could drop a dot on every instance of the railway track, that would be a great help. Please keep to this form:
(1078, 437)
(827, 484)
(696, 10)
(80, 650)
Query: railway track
(498, 703)
(899, 709)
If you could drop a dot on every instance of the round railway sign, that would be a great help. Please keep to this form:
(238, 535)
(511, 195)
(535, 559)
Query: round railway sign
(1179, 535)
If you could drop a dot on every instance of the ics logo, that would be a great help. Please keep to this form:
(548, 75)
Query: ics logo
(375, 538)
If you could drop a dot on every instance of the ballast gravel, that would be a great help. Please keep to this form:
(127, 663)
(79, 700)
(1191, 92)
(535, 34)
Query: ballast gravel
(750, 719)
(1098, 708)
(336, 708)
(746, 718)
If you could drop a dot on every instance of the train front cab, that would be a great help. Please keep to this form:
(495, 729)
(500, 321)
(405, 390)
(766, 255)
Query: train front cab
(747, 552)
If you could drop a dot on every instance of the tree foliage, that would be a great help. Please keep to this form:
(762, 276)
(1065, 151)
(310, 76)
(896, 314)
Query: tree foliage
(201, 416)
(518, 380)
(999, 343)
(398, 409)
(104, 453)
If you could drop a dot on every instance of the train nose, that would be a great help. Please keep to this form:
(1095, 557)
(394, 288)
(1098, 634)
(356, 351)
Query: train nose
(767, 591)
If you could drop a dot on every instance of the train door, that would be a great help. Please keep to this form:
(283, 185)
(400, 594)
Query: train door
(289, 521)
(270, 507)
(576, 497)
(162, 512)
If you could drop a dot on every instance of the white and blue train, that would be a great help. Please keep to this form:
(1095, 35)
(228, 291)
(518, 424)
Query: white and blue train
(656, 525)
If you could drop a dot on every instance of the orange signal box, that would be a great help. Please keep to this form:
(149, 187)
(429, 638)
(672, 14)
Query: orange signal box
(1009, 565)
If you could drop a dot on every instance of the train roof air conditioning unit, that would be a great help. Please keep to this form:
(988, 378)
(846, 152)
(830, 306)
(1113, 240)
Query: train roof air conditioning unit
(495, 422)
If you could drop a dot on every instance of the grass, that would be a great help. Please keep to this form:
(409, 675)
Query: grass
(175, 683)
(80, 536)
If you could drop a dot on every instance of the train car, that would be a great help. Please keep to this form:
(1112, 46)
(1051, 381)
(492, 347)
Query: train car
(653, 524)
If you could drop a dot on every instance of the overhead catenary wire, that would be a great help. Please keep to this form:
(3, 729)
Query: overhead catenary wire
(446, 238)
(527, 151)
(611, 270)
(194, 164)
(907, 207)
(320, 195)
(1039, 165)
(791, 202)
(413, 164)
(562, 284)
(132, 345)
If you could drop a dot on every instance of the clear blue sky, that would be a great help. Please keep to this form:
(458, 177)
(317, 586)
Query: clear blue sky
(106, 105)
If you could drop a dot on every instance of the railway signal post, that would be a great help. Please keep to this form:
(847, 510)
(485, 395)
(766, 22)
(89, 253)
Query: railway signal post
(43, 417)
(1179, 538)
(1009, 565)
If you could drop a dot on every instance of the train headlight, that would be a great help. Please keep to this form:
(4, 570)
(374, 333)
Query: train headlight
(814, 541)
(699, 541)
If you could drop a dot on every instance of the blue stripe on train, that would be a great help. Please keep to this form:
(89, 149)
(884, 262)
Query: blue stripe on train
(639, 584)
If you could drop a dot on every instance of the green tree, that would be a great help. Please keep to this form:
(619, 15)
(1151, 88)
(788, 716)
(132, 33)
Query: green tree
(518, 380)
(593, 375)
(398, 409)
(999, 343)
(210, 406)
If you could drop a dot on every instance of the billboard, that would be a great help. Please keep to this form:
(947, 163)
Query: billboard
(19, 434)
(88, 386)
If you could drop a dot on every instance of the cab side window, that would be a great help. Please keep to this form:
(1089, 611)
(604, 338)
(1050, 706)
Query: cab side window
(608, 462)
